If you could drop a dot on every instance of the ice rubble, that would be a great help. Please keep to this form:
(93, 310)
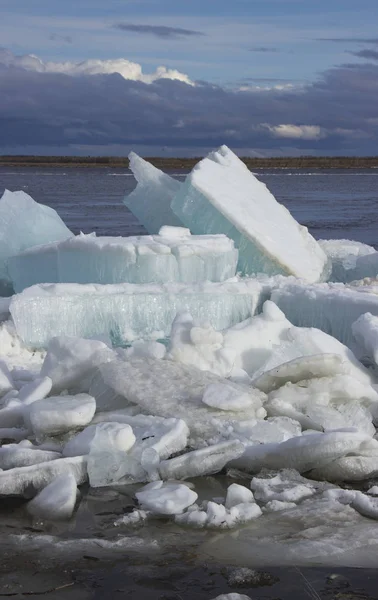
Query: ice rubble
(250, 378)
(221, 195)
(173, 255)
(25, 223)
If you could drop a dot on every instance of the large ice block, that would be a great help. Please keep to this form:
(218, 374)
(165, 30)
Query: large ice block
(126, 312)
(332, 307)
(150, 202)
(344, 256)
(221, 195)
(175, 255)
(25, 223)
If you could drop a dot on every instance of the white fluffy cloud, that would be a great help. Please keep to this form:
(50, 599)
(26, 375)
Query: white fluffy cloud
(297, 132)
(125, 68)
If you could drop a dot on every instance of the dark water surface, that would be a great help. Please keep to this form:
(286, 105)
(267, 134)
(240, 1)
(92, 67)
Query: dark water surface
(333, 204)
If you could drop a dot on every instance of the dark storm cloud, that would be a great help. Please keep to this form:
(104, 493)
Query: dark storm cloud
(369, 54)
(160, 31)
(49, 110)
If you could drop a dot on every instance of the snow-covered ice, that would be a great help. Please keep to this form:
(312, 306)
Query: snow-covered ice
(221, 195)
(25, 223)
(166, 498)
(60, 414)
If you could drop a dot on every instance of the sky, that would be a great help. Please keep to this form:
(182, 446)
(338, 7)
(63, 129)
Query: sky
(175, 78)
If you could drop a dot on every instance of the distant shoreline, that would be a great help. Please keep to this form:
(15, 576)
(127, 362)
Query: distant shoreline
(302, 162)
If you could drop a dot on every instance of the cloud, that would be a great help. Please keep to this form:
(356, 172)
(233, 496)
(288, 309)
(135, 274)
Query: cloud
(125, 68)
(55, 37)
(369, 54)
(98, 110)
(297, 132)
(347, 40)
(262, 49)
(160, 31)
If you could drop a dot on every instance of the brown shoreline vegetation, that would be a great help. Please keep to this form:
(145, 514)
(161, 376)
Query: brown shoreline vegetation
(121, 162)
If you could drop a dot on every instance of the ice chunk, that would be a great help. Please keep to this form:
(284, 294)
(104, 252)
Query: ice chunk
(232, 596)
(284, 486)
(365, 332)
(165, 388)
(222, 196)
(348, 468)
(201, 462)
(141, 349)
(326, 403)
(25, 223)
(299, 369)
(60, 414)
(143, 259)
(225, 397)
(56, 502)
(35, 390)
(150, 202)
(216, 516)
(24, 455)
(79, 444)
(70, 359)
(238, 494)
(166, 498)
(156, 439)
(6, 382)
(330, 307)
(301, 453)
(28, 481)
(108, 449)
(344, 255)
(130, 311)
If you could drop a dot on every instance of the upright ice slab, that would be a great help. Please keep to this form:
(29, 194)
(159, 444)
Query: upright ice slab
(173, 255)
(129, 311)
(25, 223)
(222, 196)
(150, 202)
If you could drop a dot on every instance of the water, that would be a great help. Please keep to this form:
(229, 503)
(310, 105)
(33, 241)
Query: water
(333, 204)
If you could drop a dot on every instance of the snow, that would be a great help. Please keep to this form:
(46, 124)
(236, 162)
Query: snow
(150, 201)
(221, 195)
(23, 224)
(56, 502)
(126, 312)
(166, 498)
(143, 259)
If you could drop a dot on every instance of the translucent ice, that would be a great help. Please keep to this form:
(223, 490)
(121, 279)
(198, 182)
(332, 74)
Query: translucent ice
(201, 462)
(24, 454)
(344, 256)
(56, 501)
(25, 223)
(222, 196)
(150, 202)
(365, 332)
(144, 259)
(331, 307)
(108, 452)
(127, 312)
(166, 498)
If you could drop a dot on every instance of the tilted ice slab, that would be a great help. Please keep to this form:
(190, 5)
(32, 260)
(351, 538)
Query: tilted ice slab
(56, 501)
(165, 388)
(24, 454)
(25, 223)
(345, 256)
(331, 307)
(150, 201)
(174, 255)
(221, 195)
(128, 311)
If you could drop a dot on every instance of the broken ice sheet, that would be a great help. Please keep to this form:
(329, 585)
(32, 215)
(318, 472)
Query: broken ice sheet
(221, 195)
